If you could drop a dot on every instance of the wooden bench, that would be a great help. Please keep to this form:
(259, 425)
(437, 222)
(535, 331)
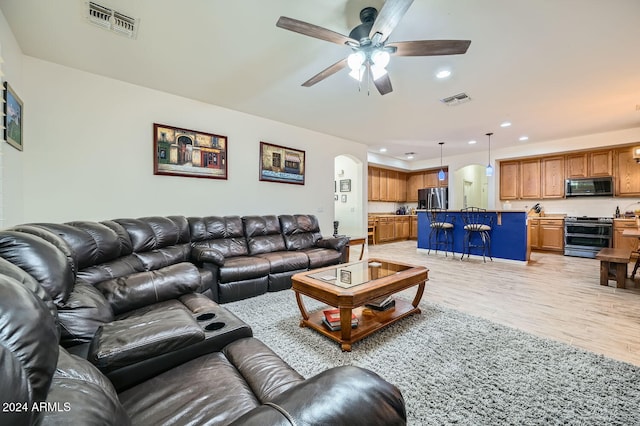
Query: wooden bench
(613, 265)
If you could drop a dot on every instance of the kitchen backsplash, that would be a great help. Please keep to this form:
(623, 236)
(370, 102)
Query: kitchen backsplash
(581, 206)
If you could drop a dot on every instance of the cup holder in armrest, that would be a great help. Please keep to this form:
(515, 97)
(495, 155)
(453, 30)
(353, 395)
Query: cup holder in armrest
(214, 326)
(206, 316)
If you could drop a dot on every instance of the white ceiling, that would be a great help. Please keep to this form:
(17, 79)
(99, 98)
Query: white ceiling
(554, 68)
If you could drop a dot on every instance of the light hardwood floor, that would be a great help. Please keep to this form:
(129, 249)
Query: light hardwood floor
(554, 296)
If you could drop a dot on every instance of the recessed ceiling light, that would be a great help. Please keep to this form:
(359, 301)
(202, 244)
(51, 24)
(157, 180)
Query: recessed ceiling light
(524, 138)
(410, 155)
(443, 73)
(383, 149)
(472, 142)
(505, 124)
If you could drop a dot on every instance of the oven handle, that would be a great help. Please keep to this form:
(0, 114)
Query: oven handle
(589, 225)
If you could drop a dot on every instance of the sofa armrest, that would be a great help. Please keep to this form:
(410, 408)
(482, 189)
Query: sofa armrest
(336, 243)
(206, 254)
(345, 395)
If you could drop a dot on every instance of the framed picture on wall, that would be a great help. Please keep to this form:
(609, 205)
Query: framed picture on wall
(345, 185)
(13, 116)
(281, 164)
(190, 153)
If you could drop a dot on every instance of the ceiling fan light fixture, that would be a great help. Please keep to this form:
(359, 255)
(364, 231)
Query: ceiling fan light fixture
(380, 58)
(355, 60)
(377, 72)
(357, 73)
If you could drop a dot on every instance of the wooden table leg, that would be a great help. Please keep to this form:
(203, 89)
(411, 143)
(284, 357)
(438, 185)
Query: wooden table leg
(418, 296)
(345, 328)
(604, 272)
(303, 309)
(621, 274)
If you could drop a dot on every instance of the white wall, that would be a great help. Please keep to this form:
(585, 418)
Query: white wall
(11, 160)
(89, 154)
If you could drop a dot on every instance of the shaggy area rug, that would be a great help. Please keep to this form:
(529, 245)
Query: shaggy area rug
(453, 368)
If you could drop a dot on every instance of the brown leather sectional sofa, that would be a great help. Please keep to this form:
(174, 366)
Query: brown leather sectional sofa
(116, 323)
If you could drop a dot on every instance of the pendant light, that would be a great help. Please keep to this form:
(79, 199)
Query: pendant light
(489, 171)
(441, 174)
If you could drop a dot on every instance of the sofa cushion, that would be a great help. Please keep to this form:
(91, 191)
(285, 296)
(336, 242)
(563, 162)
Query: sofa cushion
(245, 369)
(159, 258)
(319, 257)
(263, 234)
(243, 268)
(28, 350)
(82, 395)
(42, 260)
(157, 332)
(120, 267)
(300, 231)
(82, 314)
(150, 233)
(145, 288)
(284, 261)
(225, 234)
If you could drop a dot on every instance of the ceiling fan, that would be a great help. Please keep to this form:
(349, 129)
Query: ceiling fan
(371, 52)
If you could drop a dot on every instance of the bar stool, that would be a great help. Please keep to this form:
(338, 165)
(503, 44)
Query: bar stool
(441, 233)
(477, 224)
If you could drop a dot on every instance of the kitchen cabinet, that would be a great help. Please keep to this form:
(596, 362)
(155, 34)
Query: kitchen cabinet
(413, 227)
(553, 177)
(530, 179)
(374, 184)
(509, 176)
(547, 234)
(590, 164)
(627, 174)
(402, 225)
(415, 181)
(520, 180)
(620, 241)
(397, 186)
(386, 229)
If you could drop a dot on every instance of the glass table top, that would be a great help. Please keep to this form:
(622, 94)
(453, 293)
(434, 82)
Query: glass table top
(353, 274)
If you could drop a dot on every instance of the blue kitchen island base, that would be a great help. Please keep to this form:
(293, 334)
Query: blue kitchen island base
(508, 234)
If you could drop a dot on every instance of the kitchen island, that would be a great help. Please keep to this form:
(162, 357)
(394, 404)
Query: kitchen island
(508, 233)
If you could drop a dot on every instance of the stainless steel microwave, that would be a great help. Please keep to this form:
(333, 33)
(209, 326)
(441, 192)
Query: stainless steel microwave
(589, 186)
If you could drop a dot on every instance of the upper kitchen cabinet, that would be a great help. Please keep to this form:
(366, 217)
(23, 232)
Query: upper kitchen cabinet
(553, 177)
(627, 173)
(520, 180)
(590, 164)
(386, 185)
(415, 181)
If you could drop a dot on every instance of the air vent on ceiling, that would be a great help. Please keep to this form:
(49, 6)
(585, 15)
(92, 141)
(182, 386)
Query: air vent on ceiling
(112, 20)
(456, 99)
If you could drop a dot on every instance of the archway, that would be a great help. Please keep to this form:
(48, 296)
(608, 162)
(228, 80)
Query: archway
(349, 208)
(471, 187)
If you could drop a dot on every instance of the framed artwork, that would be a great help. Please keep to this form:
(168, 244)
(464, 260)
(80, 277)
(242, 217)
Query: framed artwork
(182, 152)
(13, 116)
(281, 164)
(345, 185)
(345, 276)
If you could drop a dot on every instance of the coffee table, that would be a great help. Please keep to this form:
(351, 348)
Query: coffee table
(349, 287)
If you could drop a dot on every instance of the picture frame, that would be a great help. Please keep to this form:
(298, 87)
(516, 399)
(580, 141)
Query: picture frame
(345, 185)
(282, 164)
(13, 117)
(343, 198)
(189, 153)
(345, 276)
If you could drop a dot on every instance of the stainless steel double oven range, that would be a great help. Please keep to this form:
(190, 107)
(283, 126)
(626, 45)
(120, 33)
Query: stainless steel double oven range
(586, 236)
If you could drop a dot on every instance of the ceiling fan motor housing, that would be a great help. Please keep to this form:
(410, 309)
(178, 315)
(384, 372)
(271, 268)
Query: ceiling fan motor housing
(361, 33)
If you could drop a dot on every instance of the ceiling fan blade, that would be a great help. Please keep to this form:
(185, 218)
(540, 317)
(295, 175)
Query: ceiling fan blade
(430, 47)
(315, 31)
(329, 71)
(383, 84)
(390, 14)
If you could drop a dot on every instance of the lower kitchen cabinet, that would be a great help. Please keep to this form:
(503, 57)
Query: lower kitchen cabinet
(413, 228)
(546, 234)
(394, 228)
(620, 241)
(386, 229)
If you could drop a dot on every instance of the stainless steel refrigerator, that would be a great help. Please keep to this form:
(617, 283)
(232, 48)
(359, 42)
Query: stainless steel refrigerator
(433, 198)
